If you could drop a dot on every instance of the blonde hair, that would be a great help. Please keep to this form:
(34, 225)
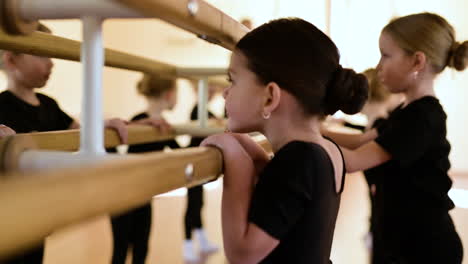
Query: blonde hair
(155, 86)
(434, 36)
(377, 92)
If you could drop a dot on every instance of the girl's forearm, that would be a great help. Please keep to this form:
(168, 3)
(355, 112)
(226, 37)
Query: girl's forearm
(237, 194)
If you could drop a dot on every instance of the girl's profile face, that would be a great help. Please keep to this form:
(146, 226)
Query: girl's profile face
(395, 65)
(244, 97)
(31, 71)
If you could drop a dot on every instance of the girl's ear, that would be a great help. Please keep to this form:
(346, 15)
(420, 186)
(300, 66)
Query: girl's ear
(419, 61)
(8, 59)
(272, 98)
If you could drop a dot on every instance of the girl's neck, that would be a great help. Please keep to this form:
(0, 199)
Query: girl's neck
(281, 132)
(24, 93)
(156, 107)
(425, 87)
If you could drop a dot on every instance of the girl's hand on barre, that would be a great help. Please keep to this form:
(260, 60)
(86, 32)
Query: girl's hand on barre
(6, 131)
(258, 155)
(159, 123)
(225, 142)
(234, 155)
(120, 126)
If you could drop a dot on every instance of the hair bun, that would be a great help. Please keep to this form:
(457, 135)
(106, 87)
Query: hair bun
(155, 85)
(458, 58)
(347, 91)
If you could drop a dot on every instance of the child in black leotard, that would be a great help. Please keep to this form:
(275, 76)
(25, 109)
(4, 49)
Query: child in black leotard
(377, 108)
(132, 229)
(24, 110)
(411, 203)
(193, 224)
(286, 78)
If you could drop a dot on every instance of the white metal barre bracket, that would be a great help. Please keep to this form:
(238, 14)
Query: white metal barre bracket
(92, 57)
(203, 102)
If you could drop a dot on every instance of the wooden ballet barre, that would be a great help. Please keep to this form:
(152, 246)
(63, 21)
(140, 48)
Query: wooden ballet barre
(47, 45)
(69, 140)
(33, 207)
(13, 148)
(196, 16)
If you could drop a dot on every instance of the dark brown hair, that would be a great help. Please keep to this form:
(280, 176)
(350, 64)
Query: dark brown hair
(304, 61)
(155, 86)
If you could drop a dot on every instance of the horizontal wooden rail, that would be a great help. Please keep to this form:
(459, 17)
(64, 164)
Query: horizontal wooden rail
(69, 140)
(196, 16)
(47, 45)
(33, 207)
(11, 148)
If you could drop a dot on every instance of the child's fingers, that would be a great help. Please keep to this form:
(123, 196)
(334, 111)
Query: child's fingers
(6, 131)
(120, 126)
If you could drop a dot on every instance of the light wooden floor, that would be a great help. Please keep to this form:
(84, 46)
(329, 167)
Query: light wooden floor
(91, 242)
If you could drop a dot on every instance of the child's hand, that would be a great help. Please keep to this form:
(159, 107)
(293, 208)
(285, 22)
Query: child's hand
(225, 142)
(6, 131)
(120, 126)
(238, 167)
(158, 123)
(258, 155)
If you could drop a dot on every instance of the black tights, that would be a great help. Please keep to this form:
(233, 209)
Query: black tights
(193, 212)
(132, 228)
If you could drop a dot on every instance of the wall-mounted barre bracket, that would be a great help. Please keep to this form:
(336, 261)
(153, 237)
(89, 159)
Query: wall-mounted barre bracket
(92, 57)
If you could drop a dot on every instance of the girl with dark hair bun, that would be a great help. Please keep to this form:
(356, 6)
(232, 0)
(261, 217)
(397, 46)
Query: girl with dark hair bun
(285, 78)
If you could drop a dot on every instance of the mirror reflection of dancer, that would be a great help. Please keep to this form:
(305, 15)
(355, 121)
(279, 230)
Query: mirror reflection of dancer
(132, 229)
(193, 224)
(24, 110)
